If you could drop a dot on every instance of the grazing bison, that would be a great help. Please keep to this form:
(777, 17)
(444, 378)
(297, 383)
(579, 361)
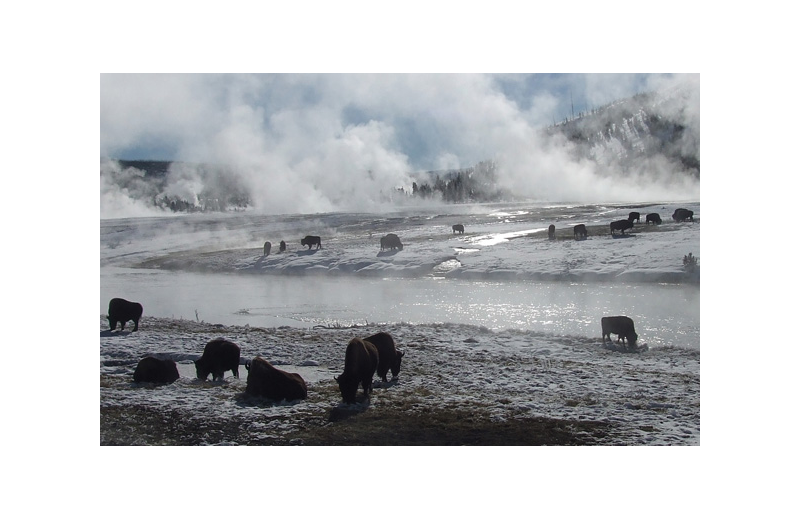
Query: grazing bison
(219, 355)
(551, 232)
(310, 240)
(154, 370)
(634, 215)
(391, 241)
(621, 225)
(388, 356)
(264, 380)
(282, 248)
(655, 218)
(622, 326)
(459, 228)
(579, 231)
(123, 311)
(682, 214)
(360, 362)
(267, 247)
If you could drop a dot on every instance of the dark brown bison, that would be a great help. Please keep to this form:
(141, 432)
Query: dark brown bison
(459, 228)
(360, 362)
(267, 247)
(621, 225)
(682, 214)
(282, 247)
(655, 218)
(551, 232)
(391, 241)
(218, 356)
(580, 231)
(154, 370)
(310, 240)
(389, 358)
(122, 311)
(622, 326)
(264, 380)
(634, 215)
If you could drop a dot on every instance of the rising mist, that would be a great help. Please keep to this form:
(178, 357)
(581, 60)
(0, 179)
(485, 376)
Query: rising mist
(319, 143)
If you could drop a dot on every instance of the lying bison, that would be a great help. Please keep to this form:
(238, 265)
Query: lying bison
(310, 240)
(360, 362)
(459, 228)
(389, 358)
(655, 218)
(634, 215)
(620, 225)
(391, 241)
(267, 247)
(622, 326)
(264, 380)
(219, 355)
(154, 370)
(580, 231)
(123, 311)
(551, 232)
(682, 214)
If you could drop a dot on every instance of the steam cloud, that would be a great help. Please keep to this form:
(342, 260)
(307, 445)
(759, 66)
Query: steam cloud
(316, 143)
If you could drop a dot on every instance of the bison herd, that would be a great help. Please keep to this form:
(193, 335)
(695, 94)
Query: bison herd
(579, 231)
(362, 359)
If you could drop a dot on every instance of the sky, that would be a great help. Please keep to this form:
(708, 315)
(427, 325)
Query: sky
(319, 142)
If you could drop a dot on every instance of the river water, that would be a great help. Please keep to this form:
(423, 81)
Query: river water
(664, 314)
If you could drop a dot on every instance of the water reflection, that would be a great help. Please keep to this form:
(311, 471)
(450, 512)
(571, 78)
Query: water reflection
(664, 314)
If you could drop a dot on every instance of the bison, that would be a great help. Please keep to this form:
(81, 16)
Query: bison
(267, 247)
(459, 228)
(621, 225)
(218, 356)
(634, 215)
(310, 240)
(123, 311)
(551, 232)
(282, 248)
(391, 241)
(622, 326)
(389, 358)
(579, 231)
(655, 218)
(264, 380)
(154, 370)
(360, 362)
(682, 214)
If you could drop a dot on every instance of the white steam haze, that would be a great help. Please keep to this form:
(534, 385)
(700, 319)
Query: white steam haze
(307, 143)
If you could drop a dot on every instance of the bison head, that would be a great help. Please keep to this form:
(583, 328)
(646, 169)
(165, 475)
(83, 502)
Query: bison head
(202, 369)
(348, 386)
(396, 363)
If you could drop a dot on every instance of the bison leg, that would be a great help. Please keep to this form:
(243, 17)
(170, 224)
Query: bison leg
(135, 325)
(235, 371)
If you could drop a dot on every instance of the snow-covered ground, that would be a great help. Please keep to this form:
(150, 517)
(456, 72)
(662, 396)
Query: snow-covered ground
(499, 243)
(650, 396)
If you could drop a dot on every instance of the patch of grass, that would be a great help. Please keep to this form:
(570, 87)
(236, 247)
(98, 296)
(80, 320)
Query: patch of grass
(451, 426)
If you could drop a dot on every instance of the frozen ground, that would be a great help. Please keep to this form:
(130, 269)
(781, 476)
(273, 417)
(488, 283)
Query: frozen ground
(499, 243)
(651, 397)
